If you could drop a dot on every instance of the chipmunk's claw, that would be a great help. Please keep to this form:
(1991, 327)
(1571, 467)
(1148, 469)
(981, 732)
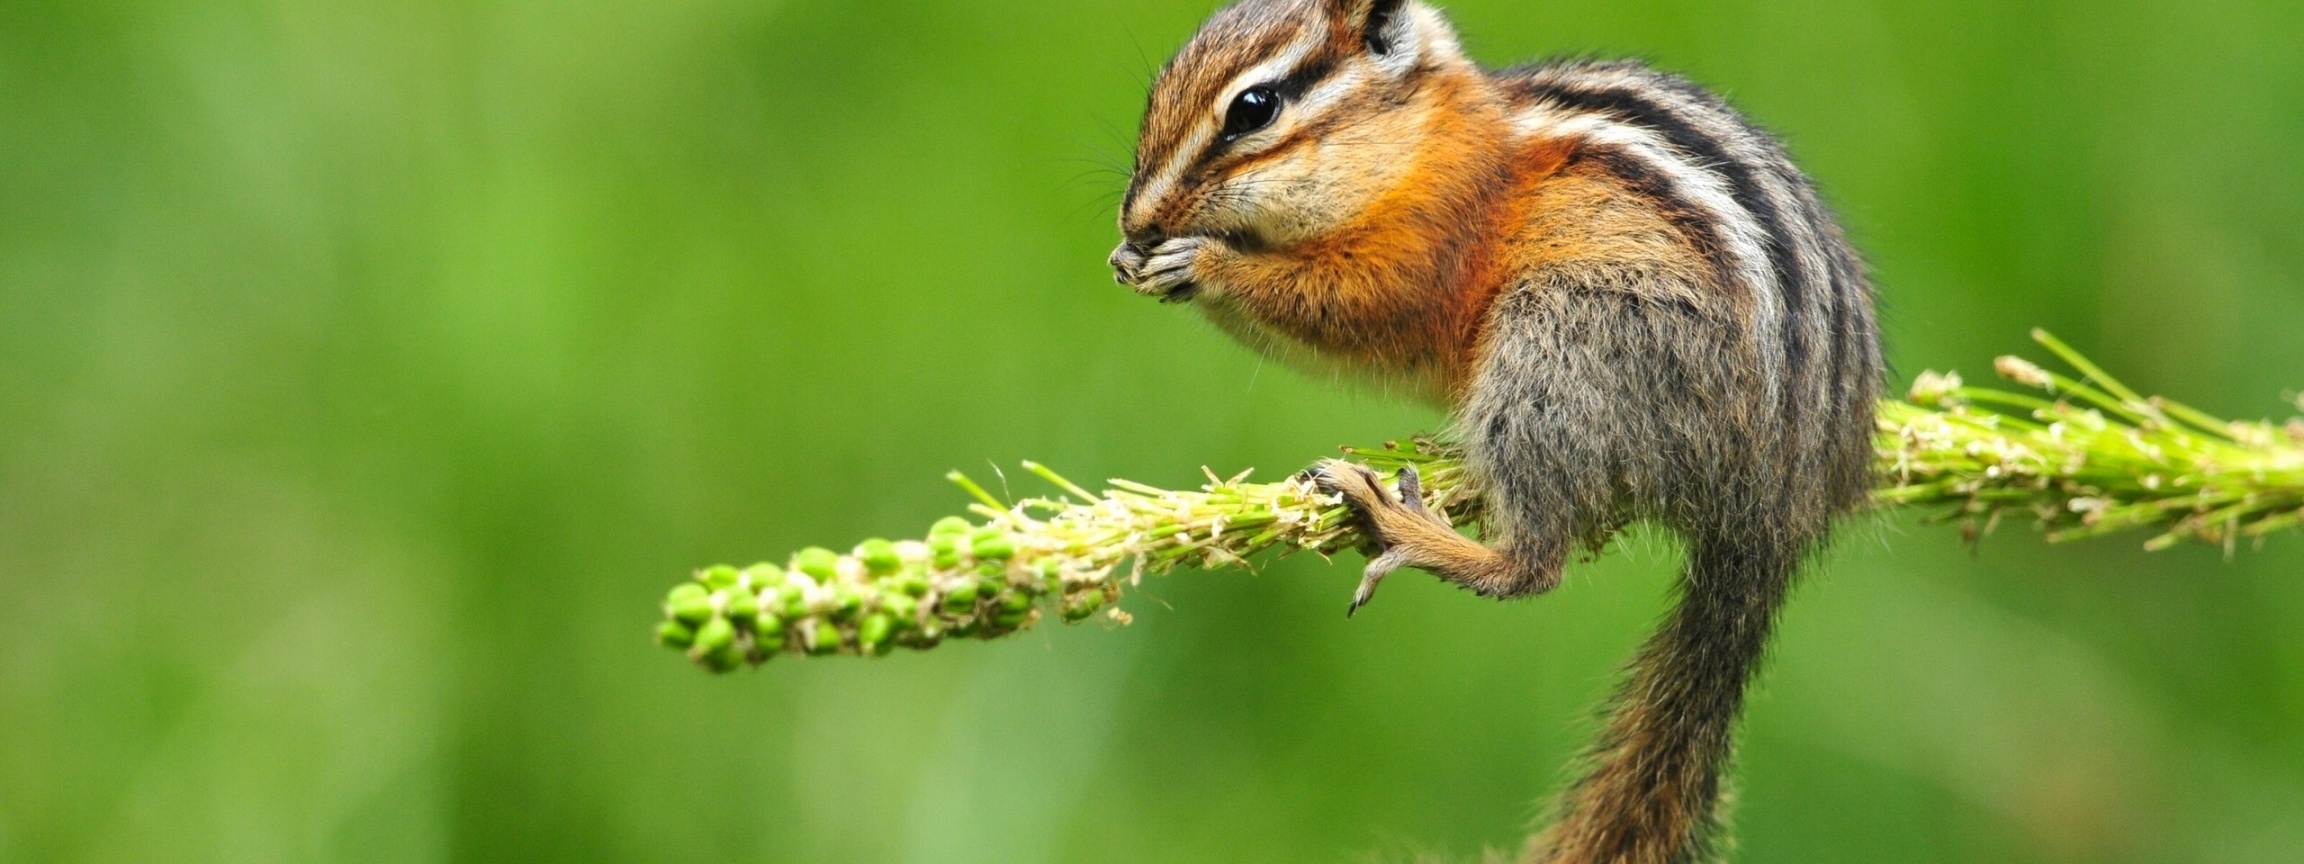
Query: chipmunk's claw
(1163, 271)
(1412, 491)
(1378, 568)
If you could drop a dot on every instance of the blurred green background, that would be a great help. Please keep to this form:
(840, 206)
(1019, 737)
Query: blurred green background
(368, 368)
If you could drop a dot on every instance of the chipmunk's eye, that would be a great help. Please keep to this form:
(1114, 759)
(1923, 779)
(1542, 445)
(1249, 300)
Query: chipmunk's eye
(1253, 109)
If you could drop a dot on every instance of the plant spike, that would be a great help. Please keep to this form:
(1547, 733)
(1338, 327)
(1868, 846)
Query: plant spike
(2109, 462)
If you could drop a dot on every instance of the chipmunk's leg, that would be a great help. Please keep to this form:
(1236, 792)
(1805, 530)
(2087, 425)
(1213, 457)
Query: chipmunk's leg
(1411, 535)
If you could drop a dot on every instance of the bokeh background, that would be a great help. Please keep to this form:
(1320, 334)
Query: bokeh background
(368, 368)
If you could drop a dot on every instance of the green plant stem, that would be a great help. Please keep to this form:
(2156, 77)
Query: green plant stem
(2084, 458)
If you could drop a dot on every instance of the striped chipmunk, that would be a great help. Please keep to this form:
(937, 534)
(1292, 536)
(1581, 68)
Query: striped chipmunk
(1632, 303)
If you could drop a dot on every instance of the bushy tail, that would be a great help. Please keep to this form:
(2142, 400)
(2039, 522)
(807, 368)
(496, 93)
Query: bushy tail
(1654, 790)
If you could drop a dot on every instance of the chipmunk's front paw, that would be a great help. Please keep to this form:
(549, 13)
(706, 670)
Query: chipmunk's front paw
(1167, 270)
(1390, 521)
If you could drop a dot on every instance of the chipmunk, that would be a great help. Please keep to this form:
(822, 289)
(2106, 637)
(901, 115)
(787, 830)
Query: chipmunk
(1633, 304)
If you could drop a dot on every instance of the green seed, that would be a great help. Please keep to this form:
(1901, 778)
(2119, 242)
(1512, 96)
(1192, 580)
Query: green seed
(827, 639)
(819, 562)
(690, 602)
(723, 660)
(912, 584)
(795, 599)
(1079, 606)
(720, 576)
(738, 605)
(949, 526)
(879, 556)
(1051, 575)
(673, 634)
(873, 631)
(945, 550)
(846, 600)
(762, 575)
(961, 597)
(768, 633)
(715, 635)
(1013, 620)
(992, 544)
(900, 606)
(1013, 601)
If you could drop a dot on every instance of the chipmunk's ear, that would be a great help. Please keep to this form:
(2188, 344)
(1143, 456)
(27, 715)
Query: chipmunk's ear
(1379, 25)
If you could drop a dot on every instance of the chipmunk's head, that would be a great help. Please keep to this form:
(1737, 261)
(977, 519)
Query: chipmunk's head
(1280, 120)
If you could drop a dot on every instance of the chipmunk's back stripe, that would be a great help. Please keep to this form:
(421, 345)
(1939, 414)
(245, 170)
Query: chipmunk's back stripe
(1711, 154)
(1640, 172)
(1714, 139)
(1744, 264)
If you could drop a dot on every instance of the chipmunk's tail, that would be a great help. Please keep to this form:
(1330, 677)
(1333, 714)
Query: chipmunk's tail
(1653, 793)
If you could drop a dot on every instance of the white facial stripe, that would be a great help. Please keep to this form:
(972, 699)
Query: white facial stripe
(1740, 233)
(1164, 181)
(1319, 98)
(1158, 188)
(1280, 66)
